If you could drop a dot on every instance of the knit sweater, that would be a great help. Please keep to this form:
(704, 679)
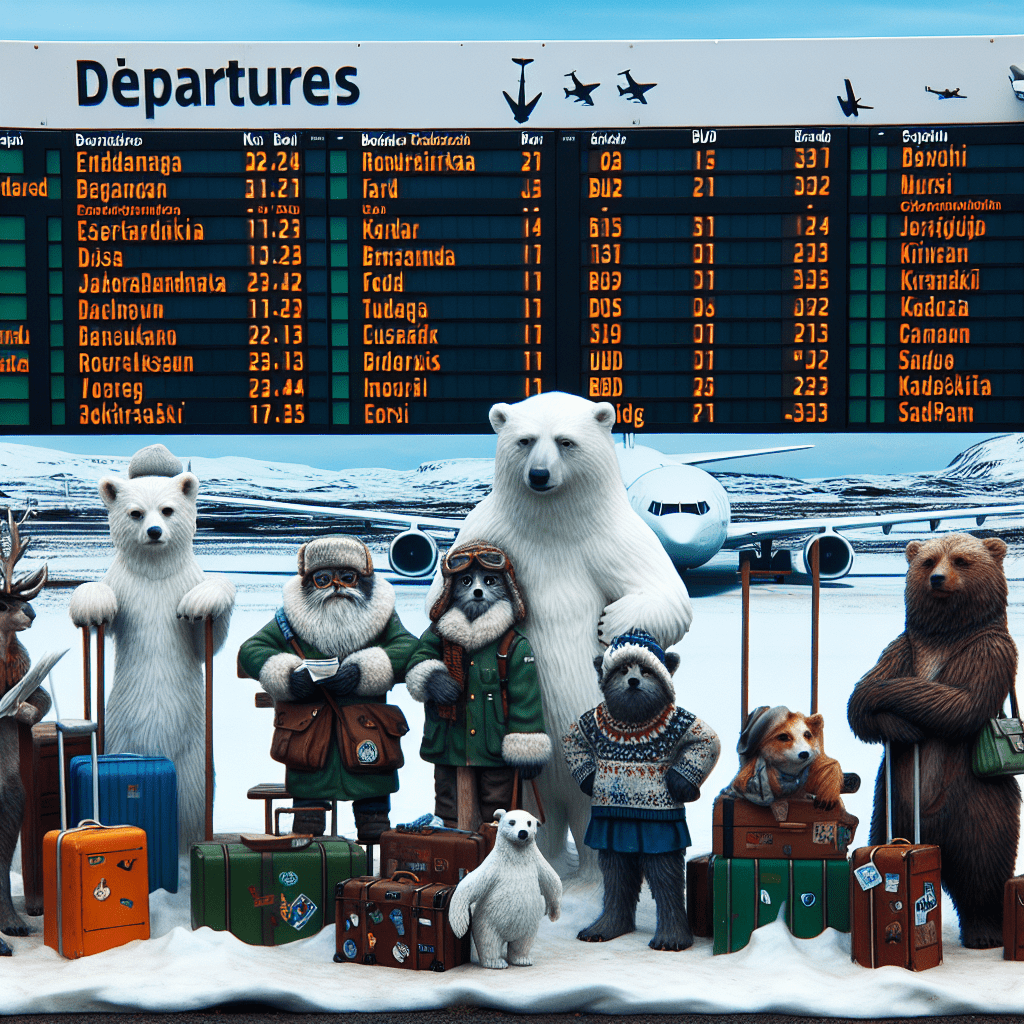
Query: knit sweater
(631, 761)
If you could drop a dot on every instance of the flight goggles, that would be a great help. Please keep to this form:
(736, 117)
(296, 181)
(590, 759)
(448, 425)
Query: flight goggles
(324, 578)
(488, 557)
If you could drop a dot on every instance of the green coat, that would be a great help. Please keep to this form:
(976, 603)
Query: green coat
(476, 735)
(333, 782)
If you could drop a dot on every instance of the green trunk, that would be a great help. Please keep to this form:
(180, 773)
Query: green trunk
(747, 893)
(268, 899)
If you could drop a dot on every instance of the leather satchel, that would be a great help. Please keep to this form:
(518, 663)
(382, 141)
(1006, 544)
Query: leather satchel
(999, 748)
(302, 735)
(369, 737)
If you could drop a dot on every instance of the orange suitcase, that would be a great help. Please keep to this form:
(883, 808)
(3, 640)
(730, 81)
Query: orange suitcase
(95, 878)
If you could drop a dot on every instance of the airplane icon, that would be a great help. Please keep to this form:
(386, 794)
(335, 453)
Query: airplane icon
(635, 90)
(521, 110)
(580, 91)
(851, 105)
(945, 94)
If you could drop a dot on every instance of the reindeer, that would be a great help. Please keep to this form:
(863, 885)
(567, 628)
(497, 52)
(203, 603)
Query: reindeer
(16, 614)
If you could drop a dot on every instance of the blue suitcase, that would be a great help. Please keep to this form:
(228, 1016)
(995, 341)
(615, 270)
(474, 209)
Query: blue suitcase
(135, 789)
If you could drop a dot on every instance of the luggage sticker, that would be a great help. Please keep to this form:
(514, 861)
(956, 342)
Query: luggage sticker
(127, 903)
(133, 791)
(756, 839)
(349, 949)
(867, 876)
(893, 933)
(288, 878)
(765, 898)
(298, 912)
(824, 833)
(424, 949)
(375, 916)
(926, 935)
(397, 921)
(808, 899)
(892, 883)
(126, 865)
(371, 940)
(926, 904)
(258, 900)
(426, 924)
(94, 860)
(367, 753)
(102, 890)
(895, 906)
(354, 919)
(400, 951)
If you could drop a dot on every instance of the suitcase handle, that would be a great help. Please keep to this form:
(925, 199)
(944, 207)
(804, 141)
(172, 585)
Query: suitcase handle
(792, 826)
(404, 874)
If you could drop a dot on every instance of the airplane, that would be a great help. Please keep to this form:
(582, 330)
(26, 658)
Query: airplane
(635, 90)
(686, 507)
(521, 110)
(945, 94)
(851, 105)
(1017, 81)
(580, 91)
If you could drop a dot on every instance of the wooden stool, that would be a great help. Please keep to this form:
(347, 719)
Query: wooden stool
(268, 792)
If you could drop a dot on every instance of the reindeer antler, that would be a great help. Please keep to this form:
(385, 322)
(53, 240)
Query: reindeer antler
(28, 586)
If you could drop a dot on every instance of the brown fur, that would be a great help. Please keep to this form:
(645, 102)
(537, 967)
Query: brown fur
(938, 683)
(14, 663)
(825, 777)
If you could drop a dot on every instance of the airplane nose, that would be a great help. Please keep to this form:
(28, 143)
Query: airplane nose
(539, 478)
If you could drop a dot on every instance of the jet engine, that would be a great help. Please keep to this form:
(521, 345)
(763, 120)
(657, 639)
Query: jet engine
(835, 555)
(413, 554)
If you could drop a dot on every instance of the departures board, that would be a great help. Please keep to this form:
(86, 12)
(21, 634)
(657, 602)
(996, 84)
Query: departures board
(284, 275)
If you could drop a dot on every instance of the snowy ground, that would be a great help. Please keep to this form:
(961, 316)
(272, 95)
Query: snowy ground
(178, 969)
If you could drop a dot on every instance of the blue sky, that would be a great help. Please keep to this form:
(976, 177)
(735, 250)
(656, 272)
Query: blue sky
(465, 19)
(470, 19)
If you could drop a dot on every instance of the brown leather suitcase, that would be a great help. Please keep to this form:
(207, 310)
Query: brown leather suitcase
(896, 896)
(699, 897)
(788, 829)
(397, 922)
(441, 855)
(40, 775)
(1013, 919)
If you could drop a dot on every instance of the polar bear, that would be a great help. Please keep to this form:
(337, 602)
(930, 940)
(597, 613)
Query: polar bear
(590, 569)
(506, 896)
(154, 599)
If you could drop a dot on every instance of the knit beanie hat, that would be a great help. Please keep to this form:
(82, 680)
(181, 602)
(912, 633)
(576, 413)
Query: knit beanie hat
(638, 647)
(335, 552)
(154, 460)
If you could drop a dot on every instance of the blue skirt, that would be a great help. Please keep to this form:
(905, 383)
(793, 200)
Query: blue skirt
(637, 835)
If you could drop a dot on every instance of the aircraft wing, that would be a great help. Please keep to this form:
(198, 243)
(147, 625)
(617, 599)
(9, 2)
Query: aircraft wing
(369, 515)
(696, 458)
(739, 534)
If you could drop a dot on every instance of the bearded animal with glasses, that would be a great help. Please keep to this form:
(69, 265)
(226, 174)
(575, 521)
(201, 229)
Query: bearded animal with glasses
(335, 610)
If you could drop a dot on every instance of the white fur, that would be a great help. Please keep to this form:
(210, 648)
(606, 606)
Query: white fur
(507, 895)
(153, 600)
(587, 564)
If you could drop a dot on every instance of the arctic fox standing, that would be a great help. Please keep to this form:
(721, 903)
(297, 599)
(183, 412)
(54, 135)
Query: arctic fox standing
(591, 567)
(154, 600)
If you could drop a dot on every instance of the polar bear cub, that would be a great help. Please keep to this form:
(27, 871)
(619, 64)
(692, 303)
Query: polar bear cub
(507, 895)
(154, 599)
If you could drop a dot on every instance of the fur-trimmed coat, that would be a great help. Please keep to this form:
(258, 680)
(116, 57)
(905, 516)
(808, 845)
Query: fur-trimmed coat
(376, 641)
(480, 735)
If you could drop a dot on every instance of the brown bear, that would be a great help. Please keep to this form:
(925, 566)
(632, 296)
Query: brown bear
(938, 683)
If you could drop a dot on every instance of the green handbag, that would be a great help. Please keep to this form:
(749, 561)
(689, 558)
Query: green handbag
(999, 748)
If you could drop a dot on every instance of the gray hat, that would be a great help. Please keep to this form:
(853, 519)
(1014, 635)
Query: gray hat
(154, 460)
(759, 723)
(335, 552)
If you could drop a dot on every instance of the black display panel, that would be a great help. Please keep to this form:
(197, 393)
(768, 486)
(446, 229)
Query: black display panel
(384, 281)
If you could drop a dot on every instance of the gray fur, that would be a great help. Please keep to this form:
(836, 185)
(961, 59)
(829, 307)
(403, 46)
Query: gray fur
(440, 688)
(623, 875)
(633, 693)
(14, 663)
(475, 592)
